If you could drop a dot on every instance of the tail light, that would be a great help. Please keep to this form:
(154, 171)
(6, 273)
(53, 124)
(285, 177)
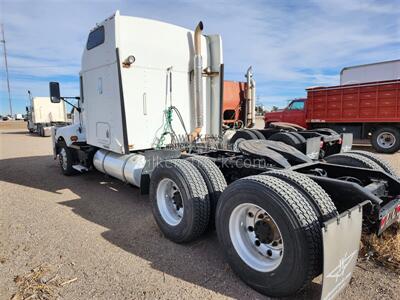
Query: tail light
(383, 222)
(321, 144)
(340, 141)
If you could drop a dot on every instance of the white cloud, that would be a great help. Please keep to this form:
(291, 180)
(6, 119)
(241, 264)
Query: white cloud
(290, 44)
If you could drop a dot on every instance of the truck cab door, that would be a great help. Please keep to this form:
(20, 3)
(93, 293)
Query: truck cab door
(295, 113)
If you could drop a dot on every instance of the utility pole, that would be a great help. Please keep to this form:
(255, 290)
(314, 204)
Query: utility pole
(5, 61)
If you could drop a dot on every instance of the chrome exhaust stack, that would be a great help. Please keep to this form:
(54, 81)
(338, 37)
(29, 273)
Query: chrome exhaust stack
(198, 82)
(251, 98)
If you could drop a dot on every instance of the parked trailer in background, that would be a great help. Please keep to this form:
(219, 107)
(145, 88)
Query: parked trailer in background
(380, 71)
(18, 117)
(368, 110)
(151, 116)
(42, 114)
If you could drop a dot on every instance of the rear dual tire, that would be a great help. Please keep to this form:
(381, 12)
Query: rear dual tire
(259, 135)
(298, 227)
(293, 139)
(382, 163)
(214, 179)
(353, 160)
(179, 200)
(241, 135)
(312, 191)
(268, 227)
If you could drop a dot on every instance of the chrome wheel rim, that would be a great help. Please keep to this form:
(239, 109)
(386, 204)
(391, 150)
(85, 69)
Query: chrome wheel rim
(63, 159)
(256, 237)
(169, 202)
(386, 140)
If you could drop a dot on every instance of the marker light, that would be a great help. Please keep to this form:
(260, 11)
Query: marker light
(128, 61)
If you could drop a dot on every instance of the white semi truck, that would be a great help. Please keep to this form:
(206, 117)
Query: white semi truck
(150, 115)
(42, 114)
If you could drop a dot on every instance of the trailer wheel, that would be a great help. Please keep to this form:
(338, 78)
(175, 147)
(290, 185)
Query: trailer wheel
(179, 199)
(270, 234)
(386, 140)
(66, 160)
(382, 163)
(319, 199)
(286, 138)
(241, 135)
(353, 160)
(214, 180)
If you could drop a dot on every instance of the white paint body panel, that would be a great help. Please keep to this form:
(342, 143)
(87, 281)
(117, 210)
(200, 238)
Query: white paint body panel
(43, 111)
(101, 97)
(389, 70)
(66, 132)
(156, 46)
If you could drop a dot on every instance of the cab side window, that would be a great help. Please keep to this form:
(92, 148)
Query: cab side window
(96, 38)
(296, 105)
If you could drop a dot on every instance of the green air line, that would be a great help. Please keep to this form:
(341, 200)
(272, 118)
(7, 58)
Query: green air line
(167, 127)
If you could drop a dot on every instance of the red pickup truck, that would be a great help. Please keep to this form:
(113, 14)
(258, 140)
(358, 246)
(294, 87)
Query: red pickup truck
(367, 110)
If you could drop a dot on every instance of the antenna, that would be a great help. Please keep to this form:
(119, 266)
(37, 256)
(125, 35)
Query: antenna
(5, 61)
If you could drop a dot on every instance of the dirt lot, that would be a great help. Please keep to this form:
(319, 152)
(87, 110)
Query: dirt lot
(98, 236)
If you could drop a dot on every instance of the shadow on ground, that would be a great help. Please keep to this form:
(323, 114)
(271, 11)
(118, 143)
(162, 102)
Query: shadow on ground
(127, 215)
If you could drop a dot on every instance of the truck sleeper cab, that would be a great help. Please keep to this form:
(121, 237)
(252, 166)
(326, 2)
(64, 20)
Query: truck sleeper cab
(151, 99)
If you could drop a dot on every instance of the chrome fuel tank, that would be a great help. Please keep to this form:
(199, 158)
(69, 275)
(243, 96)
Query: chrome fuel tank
(127, 168)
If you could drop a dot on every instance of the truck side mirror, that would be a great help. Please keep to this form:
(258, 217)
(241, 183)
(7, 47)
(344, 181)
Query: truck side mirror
(54, 92)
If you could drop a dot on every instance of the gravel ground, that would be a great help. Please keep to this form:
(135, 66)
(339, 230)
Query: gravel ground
(101, 231)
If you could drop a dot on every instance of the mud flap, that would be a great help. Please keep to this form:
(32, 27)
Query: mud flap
(347, 142)
(313, 147)
(341, 242)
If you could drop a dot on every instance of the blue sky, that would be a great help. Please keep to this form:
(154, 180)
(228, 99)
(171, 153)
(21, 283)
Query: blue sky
(290, 44)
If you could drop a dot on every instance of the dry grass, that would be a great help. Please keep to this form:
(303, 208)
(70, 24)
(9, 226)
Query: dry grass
(39, 283)
(5, 125)
(384, 250)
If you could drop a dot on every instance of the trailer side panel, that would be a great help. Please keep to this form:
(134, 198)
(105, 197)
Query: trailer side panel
(373, 102)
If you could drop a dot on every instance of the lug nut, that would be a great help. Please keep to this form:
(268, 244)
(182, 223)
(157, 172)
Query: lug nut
(274, 243)
(269, 252)
(257, 243)
(261, 216)
(250, 228)
(250, 214)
